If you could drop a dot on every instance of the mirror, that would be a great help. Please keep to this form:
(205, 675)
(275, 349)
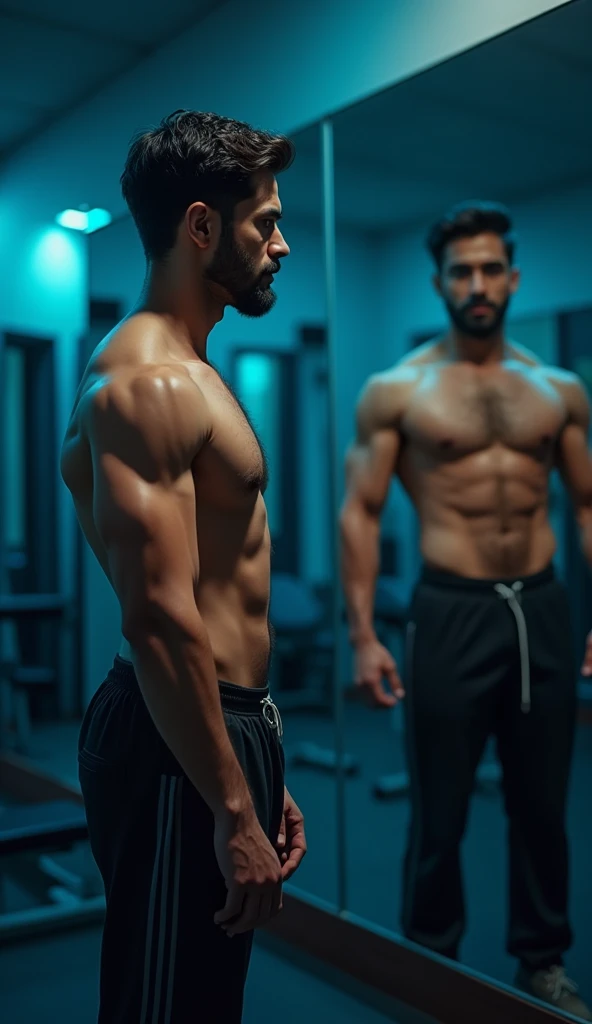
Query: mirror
(277, 367)
(508, 123)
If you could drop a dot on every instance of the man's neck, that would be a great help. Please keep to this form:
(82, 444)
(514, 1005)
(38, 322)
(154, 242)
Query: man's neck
(466, 348)
(189, 306)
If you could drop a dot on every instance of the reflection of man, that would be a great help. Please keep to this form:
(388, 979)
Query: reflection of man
(473, 426)
(182, 776)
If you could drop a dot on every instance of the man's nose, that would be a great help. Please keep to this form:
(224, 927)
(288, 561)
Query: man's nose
(278, 245)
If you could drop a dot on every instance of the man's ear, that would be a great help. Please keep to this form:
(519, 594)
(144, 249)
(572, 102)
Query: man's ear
(437, 283)
(515, 278)
(203, 225)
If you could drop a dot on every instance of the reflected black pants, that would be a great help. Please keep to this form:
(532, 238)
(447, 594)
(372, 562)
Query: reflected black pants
(464, 682)
(163, 960)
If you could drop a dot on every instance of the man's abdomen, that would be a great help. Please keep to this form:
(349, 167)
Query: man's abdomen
(486, 549)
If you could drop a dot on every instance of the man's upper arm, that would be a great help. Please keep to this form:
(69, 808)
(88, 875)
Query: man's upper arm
(574, 460)
(372, 458)
(144, 436)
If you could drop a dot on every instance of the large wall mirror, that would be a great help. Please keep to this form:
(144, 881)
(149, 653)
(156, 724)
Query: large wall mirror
(505, 123)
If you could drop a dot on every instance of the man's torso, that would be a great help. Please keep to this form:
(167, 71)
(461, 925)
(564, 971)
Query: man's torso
(477, 448)
(228, 476)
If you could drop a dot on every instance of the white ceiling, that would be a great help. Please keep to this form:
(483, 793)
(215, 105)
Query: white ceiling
(508, 120)
(54, 54)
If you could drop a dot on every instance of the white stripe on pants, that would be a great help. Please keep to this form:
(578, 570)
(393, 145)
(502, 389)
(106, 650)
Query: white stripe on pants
(168, 842)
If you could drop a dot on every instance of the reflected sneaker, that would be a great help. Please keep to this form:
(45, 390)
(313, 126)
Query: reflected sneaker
(553, 986)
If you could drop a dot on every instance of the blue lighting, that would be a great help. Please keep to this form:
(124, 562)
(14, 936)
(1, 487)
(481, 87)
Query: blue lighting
(75, 219)
(97, 218)
(84, 220)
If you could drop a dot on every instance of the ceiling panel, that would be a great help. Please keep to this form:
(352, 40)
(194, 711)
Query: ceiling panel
(50, 67)
(507, 121)
(569, 36)
(509, 79)
(142, 22)
(17, 119)
(57, 53)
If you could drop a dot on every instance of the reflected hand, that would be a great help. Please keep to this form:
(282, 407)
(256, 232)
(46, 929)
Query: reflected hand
(373, 663)
(586, 669)
(291, 842)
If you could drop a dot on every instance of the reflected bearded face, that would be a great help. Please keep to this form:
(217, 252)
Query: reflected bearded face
(477, 283)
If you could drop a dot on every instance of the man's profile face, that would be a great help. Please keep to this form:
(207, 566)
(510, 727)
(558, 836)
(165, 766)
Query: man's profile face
(476, 282)
(249, 251)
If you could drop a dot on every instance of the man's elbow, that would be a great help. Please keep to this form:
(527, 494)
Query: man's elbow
(358, 514)
(147, 621)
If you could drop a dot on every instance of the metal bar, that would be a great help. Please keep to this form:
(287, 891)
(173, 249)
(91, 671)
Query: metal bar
(337, 687)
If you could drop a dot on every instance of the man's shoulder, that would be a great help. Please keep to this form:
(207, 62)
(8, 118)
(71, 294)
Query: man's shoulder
(386, 395)
(521, 354)
(423, 355)
(571, 388)
(150, 411)
(409, 369)
(144, 389)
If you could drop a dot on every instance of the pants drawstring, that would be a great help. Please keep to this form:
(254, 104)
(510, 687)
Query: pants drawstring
(510, 594)
(272, 716)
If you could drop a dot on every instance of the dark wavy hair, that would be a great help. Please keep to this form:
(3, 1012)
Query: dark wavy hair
(194, 157)
(467, 220)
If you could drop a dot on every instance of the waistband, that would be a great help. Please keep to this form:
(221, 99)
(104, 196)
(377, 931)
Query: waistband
(240, 700)
(443, 578)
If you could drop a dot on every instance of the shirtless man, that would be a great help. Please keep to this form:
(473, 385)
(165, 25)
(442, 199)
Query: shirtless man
(180, 755)
(473, 425)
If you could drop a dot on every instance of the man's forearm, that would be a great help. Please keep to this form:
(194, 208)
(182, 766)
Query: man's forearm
(177, 676)
(360, 563)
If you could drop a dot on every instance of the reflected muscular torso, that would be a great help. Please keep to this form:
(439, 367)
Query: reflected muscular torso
(477, 447)
(224, 496)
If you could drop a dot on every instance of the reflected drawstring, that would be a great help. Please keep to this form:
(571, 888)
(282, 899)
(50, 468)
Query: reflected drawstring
(510, 594)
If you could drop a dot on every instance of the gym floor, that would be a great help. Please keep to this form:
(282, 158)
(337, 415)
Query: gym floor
(376, 833)
(64, 969)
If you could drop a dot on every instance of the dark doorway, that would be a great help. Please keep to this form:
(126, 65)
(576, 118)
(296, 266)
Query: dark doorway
(28, 487)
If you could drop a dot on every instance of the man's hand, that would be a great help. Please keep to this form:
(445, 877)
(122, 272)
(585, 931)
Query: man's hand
(373, 663)
(291, 842)
(586, 669)
(251, 871)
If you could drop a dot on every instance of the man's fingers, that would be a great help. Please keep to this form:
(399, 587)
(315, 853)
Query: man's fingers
(281, 839)
(395, 683)
(233, 906)
(374, 692)
(249, 917)
(292, 863)
(380, 697)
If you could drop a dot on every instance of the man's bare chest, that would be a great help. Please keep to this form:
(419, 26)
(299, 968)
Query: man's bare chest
(453, 411)
(233, 458)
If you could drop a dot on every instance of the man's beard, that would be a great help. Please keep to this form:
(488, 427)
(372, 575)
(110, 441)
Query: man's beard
(234, 270)
(467, 324)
